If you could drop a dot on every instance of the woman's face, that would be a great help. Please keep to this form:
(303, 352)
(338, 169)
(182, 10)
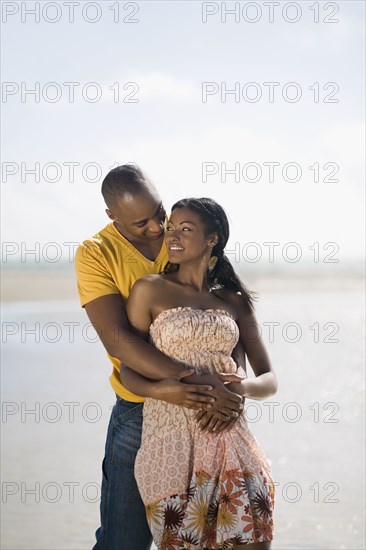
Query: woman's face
(185, 237)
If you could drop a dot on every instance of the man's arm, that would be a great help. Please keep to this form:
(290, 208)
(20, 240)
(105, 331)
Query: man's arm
(170, 389)
(108, 316)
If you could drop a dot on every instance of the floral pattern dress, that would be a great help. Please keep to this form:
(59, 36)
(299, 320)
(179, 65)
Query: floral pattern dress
(201, 490)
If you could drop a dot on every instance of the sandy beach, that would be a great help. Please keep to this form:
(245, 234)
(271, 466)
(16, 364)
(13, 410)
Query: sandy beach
(23, 284)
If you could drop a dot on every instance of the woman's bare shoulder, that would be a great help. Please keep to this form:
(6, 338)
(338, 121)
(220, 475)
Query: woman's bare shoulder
(149, 282)
(150, 285)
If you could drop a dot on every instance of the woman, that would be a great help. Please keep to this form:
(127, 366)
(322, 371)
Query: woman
(201, 489)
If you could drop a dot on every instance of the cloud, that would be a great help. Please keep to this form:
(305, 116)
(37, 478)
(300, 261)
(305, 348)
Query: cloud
(151, 87)
(347, 139)
(165, 86)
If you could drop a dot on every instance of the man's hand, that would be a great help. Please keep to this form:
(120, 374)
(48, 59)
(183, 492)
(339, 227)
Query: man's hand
(211, 423)
(174, 391)
(226, 402)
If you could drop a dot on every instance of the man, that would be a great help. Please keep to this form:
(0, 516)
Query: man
(107, 266)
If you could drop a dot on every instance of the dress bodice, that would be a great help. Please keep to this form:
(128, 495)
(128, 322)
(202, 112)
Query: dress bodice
(202, 338)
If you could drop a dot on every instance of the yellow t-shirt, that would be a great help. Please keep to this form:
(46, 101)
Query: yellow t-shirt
(107, 263)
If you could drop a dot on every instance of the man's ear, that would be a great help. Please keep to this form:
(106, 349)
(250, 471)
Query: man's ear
(110, 214)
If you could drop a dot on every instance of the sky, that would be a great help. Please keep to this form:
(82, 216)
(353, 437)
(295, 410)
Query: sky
(153, 88)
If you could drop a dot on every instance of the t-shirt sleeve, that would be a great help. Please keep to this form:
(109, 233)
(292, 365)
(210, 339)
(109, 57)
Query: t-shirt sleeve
(93, 276)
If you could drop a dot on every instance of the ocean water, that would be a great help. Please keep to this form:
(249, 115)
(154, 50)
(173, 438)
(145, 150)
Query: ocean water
(56, 403)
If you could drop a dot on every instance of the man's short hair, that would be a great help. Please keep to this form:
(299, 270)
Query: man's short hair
(124, 179)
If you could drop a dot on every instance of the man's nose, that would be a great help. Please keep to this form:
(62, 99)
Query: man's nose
(156, 225)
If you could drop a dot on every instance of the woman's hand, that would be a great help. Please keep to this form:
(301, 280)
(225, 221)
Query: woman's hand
(230, 378)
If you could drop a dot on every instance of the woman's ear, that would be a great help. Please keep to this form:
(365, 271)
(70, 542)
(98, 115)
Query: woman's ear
(214, 239)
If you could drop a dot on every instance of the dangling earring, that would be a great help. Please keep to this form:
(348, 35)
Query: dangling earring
(212, 262)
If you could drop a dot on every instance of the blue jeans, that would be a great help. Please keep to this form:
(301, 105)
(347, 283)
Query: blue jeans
(123, 520)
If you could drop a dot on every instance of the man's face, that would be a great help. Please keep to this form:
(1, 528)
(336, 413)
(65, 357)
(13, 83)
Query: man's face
(139, 217)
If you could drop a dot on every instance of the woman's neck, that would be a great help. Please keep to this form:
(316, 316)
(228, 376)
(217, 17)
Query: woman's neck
(193, 276)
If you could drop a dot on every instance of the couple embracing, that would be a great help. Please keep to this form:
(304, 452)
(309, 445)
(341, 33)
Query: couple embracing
(181, 464)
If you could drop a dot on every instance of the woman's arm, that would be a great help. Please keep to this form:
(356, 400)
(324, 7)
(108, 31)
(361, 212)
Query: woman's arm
(265, 382)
